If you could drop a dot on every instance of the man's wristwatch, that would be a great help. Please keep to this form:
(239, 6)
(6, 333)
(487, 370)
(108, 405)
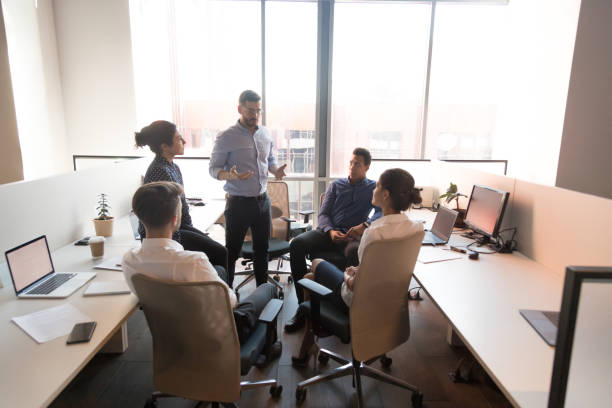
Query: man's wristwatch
(365, 224)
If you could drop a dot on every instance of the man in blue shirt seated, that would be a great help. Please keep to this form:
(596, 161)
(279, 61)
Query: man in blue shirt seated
(343, 218)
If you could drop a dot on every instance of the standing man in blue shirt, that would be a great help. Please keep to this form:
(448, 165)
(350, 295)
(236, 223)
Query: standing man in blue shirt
(243, 155)
(343, 218)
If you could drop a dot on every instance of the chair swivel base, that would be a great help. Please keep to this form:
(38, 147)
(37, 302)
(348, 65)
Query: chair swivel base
(356, 369)
(275, 390)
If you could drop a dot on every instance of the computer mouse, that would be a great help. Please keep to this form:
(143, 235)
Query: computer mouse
(473, 255)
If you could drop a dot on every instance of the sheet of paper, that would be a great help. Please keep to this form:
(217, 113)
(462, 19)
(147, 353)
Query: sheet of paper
(114, 287)
(48, 324)
(113, 264)
(429, 254)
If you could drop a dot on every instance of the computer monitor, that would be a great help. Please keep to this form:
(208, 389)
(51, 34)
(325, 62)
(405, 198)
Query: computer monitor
(486, 210)
(582, 366)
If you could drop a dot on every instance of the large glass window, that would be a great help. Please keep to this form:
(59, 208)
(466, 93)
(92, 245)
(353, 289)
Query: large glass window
(291, 75)
(379, 65)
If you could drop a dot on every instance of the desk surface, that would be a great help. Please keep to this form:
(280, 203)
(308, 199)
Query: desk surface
(481, 300)
(32, 374)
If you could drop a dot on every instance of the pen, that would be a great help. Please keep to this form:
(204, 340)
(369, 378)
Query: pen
(454, 248)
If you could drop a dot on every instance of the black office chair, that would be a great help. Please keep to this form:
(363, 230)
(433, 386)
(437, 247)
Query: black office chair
(196, 352)
(378, 319)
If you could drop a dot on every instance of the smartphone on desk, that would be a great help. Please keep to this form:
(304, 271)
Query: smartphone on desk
(81, 332)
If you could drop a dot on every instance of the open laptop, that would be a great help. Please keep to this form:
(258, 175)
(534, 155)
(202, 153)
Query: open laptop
(33, 274)
(442, 227)
(134, 223)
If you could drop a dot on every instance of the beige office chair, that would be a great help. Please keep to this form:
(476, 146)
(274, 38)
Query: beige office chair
(378, 319)
(196, 352)
(278, 245)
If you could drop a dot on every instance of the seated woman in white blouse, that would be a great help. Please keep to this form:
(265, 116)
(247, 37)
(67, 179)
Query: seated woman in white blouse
(394, 193)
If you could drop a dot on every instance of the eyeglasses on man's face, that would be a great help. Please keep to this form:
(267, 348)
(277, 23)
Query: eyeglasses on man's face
(252, 111)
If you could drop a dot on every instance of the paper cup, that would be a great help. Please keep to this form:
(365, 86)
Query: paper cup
(96, 244)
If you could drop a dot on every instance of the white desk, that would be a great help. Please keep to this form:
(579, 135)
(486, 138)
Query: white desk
(481, 299)
(31, 374)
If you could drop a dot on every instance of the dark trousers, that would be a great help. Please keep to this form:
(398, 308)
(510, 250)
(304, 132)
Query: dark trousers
(311, 242)
(328, 275)
(246, 313)
(192, 239)
(240, 214)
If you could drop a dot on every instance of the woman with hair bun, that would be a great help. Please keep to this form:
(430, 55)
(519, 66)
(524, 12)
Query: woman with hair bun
(394, 193)
(164, 140)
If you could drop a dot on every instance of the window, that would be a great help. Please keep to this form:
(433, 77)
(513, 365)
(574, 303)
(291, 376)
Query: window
(379, 65)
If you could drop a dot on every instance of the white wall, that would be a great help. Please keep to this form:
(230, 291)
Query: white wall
(11, 167)
(584, 161)
(35, 74)
(94, 45)
(534, 87)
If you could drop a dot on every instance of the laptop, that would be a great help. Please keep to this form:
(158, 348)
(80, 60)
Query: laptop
(544, 322)
(442, 227)
(134, 223)
(33, 274)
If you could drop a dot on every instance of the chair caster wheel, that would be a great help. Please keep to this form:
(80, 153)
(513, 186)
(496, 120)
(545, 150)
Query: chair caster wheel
(151, 403)
(276, 391)
(386, 361)
(300, 395)
(323, 358)
(290, 279)
(417, 399)
(276, 278)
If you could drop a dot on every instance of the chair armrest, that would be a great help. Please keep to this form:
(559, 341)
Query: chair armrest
(287, 220)
(315, 287)
(306, 215)
(269, 313)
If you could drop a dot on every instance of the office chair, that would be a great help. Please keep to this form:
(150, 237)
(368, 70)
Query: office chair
(278, 244)
(196, 352)
(377, 321)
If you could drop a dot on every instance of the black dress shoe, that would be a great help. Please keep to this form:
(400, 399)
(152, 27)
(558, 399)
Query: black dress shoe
(295, 323)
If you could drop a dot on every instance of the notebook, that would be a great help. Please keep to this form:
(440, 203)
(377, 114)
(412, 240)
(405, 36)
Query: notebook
(442, 227)
(33, 275)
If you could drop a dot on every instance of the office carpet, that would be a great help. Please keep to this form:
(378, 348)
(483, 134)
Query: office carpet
(125, 380)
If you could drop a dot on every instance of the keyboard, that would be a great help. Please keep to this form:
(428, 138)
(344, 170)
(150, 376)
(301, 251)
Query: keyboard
(553, 317)
(51, 284)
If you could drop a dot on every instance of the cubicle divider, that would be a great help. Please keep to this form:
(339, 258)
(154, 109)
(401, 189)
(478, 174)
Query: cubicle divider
(63, 206)
(555, 227)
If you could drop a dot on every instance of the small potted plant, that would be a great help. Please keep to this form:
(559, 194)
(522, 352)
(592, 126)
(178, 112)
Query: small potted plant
(104, 222)
(451, 194)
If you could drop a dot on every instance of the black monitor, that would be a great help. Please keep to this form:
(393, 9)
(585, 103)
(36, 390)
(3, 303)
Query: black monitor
(582, 366)
(486, 210)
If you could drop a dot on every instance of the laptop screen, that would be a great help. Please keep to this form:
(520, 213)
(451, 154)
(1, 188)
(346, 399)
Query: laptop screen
(444, 222)
(29, 262)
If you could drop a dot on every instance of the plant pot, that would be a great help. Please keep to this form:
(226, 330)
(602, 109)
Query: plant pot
(460, 221)
(104, 228)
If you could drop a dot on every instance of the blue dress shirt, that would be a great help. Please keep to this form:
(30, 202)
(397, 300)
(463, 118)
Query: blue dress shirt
(346, 205)
(236, 146)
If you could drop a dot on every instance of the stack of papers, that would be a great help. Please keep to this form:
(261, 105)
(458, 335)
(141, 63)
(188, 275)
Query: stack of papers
(113, 264)
(429, 254)
(48, 324)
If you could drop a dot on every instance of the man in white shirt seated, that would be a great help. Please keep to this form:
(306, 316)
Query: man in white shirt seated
(158, 207)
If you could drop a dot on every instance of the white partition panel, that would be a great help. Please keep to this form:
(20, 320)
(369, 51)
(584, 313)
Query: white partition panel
(62, 207)
(558, 227)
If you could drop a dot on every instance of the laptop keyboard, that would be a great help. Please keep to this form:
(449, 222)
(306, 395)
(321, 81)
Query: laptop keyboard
(51, 284)
(553, 317)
